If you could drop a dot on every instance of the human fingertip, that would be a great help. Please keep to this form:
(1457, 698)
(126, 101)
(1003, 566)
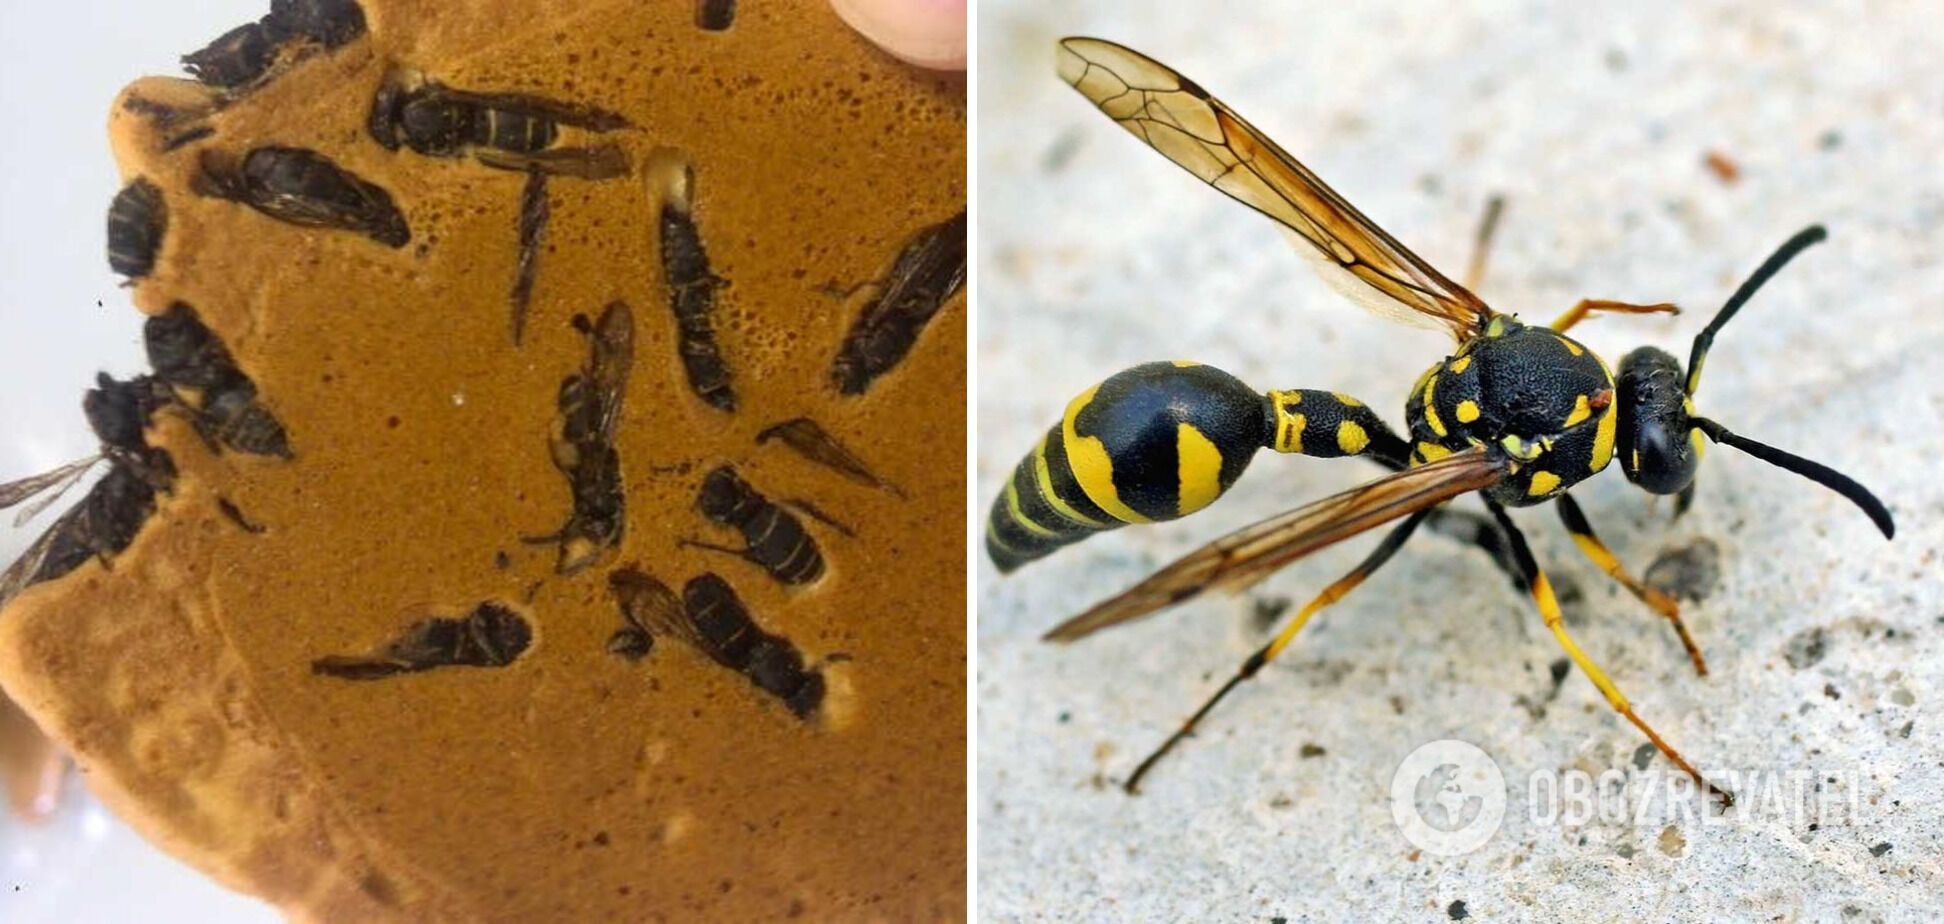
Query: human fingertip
(927, 33)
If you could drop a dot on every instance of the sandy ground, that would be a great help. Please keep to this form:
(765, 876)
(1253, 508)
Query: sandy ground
(1825, 641)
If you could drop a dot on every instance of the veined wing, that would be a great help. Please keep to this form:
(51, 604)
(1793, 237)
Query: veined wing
(1248, 555)
(1176, 117)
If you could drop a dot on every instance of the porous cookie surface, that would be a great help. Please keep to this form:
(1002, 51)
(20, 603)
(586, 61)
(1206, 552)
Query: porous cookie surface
(390, 677)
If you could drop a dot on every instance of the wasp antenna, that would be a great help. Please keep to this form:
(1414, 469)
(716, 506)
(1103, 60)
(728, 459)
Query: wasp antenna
(1814, 471)
(1803, 240)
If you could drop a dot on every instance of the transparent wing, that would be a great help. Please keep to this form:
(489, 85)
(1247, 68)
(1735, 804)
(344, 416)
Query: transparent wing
(18, 491)
(1248, 555)
(1176, 117)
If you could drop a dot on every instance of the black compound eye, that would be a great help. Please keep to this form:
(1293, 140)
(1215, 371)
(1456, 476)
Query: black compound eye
(1663, 459)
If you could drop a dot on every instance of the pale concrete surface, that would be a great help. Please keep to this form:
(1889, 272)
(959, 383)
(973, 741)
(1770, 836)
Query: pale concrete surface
(1825, 641)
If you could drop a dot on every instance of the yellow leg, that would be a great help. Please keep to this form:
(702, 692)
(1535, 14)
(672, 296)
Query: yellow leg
(1542, 596)
(1590, 544)
(1267, 653)
(1587, 306)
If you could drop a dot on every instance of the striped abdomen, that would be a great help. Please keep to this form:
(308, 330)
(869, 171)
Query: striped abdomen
(1161, 441)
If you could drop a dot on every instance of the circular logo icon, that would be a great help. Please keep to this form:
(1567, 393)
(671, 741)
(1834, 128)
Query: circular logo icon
(1448, 797)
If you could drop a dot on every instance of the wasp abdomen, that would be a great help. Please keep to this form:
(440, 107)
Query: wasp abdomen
(1155, 442)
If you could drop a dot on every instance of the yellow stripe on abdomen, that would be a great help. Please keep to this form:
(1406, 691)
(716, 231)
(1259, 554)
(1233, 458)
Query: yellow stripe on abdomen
(1044, 474)
(1091, 465)
(1199, 469)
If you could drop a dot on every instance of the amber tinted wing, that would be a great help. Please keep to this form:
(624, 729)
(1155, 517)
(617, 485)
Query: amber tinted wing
(1175, 116)
(1252, 553)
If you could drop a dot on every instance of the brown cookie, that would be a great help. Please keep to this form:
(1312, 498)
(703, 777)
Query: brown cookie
(454, 312)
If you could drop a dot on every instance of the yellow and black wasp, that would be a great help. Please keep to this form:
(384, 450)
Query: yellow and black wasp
(1519, 413)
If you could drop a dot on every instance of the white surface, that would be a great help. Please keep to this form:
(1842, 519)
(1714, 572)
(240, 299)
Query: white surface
(1096, 254)
(60, 67)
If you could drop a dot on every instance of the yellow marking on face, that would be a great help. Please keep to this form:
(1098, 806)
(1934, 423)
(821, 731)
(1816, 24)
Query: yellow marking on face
(1019, 516)
(1581, 411)
(1467, 411)
(1199, 468)
(1045, 476)
(1496, 328)
(1687, 404)
(1346, 400)
(1460, 364)
(1432, 452)
(1430, 406)
(1700, 442)
(1603, 439)
(1091, 465)
(1543, 483)
(1185, 363)
(1351, 438)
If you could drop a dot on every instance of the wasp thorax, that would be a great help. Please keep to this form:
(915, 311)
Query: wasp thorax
(1659, 447)
(432, 126)
(1531, 393)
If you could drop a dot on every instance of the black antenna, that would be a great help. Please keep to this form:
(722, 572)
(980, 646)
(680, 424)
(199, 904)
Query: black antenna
(1814, 471)
(1803, 240)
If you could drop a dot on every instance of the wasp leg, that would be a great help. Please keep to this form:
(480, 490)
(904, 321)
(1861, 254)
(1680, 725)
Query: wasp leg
(1590, 544)
(1478, 530)
(1267, 653)
(1542, 596)
(693, 544)
(1587, 306)
(1482, 242)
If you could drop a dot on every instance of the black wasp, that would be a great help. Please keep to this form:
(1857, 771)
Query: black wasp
(1519, 413)
(305, 188)
(107, 519)
(583, 441)
(206, 383)
(774, 538)
(712, 618)
(510, 131)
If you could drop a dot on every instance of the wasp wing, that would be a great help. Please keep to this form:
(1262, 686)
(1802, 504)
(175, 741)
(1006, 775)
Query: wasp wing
(1248, 555)
(14, 492)
(580, 116)
(649, 605)
(1176, 117)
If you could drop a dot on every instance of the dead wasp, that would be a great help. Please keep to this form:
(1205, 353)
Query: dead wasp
(107, 519)
(691, 283)
(246, 55)
(1519, 413)
(774, 538)
(509, 131)
(583, 440)
(137, 220)
(204, 380)
(304, 188)
(492, 635)
(710, 617)
(927, 273)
